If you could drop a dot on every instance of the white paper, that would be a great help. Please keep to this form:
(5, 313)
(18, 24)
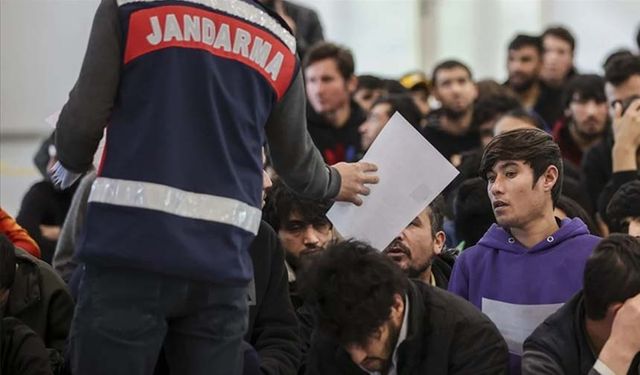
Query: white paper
(52, 119)
(517, 322)
(412, 173)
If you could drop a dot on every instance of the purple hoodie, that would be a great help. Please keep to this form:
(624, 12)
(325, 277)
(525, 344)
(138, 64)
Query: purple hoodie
(518, 287)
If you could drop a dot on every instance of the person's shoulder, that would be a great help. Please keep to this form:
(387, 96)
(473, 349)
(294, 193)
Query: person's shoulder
(265, 242)
(50, 279)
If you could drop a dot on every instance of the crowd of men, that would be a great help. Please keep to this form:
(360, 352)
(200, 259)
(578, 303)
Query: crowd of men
(528, 262)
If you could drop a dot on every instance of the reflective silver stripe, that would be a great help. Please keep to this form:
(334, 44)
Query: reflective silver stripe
(241, 10)
(175, 201)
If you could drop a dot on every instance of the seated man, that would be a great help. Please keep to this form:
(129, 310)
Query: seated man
(573, 340)
(40, 299)
(21, 350)
(373, 320)
(530, 263)
(273, 328)
(302, 227)
(418, 247)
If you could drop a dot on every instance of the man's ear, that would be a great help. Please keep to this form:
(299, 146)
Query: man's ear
(438, 242)
(352, 84)
(550, 177)
(397, 308)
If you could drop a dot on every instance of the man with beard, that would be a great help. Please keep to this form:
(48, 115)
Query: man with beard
(418, 248)
(302, 227)
(523, 65)
(449, 128)
(373, 320)
(585, 119)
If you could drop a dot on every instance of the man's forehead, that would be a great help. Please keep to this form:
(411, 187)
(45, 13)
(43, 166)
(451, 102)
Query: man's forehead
(501, 164)
(524, 51)
(623, 91)
(452, 73)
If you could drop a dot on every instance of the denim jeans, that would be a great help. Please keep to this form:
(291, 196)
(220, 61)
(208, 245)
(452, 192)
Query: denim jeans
(124, 317)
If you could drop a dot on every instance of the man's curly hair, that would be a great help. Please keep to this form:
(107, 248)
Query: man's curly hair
(353, 286)
(621, 207)
(282, 202)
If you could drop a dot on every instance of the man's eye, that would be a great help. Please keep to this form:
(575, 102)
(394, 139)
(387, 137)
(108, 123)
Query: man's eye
(510, 174)
(491, 179)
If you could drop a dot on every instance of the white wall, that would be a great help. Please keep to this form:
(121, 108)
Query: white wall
(383, 34)
(42, 45)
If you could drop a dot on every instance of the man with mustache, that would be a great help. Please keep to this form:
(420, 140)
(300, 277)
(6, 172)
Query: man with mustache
(524, 63)
(529, 263)
(302, 227)
(585, 121)
(418, 248)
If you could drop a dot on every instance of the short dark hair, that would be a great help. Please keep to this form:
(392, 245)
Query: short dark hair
(326, 50)
(524, 40)
(562, 33)
(492, 106)
(621, 68)
(614, 55)
(282, 201)
(448, 65)
(394, 87)
(473, 212)
(586, 87)
(612, 274)
(7, 263)
(573, 210)
(404, 104)
(353, 286)
(370, 82)
(533, 146)
(619, 206)
(526, 116)
(436, 214)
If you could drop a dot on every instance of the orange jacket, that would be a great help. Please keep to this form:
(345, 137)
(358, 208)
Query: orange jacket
(17, 235)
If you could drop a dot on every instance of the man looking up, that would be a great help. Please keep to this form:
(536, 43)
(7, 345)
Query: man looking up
(417, 248)
(302, 227)
(530, 263)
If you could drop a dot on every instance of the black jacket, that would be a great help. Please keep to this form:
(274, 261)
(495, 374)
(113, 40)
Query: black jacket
(335, 144)
(447, 335)
(22, 352)
(597, 168)
(560, 345)
(273, 327)
(40, 299)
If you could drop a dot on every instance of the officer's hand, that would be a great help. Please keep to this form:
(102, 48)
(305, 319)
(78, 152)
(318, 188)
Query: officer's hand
(354, 177)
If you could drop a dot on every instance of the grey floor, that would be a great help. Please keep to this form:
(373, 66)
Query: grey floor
(17, 172)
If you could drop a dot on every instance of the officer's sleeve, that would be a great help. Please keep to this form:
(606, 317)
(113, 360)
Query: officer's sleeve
(295, 157)
(86, 113)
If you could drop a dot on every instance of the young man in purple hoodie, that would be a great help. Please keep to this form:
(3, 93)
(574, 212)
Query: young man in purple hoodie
(530, 263)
